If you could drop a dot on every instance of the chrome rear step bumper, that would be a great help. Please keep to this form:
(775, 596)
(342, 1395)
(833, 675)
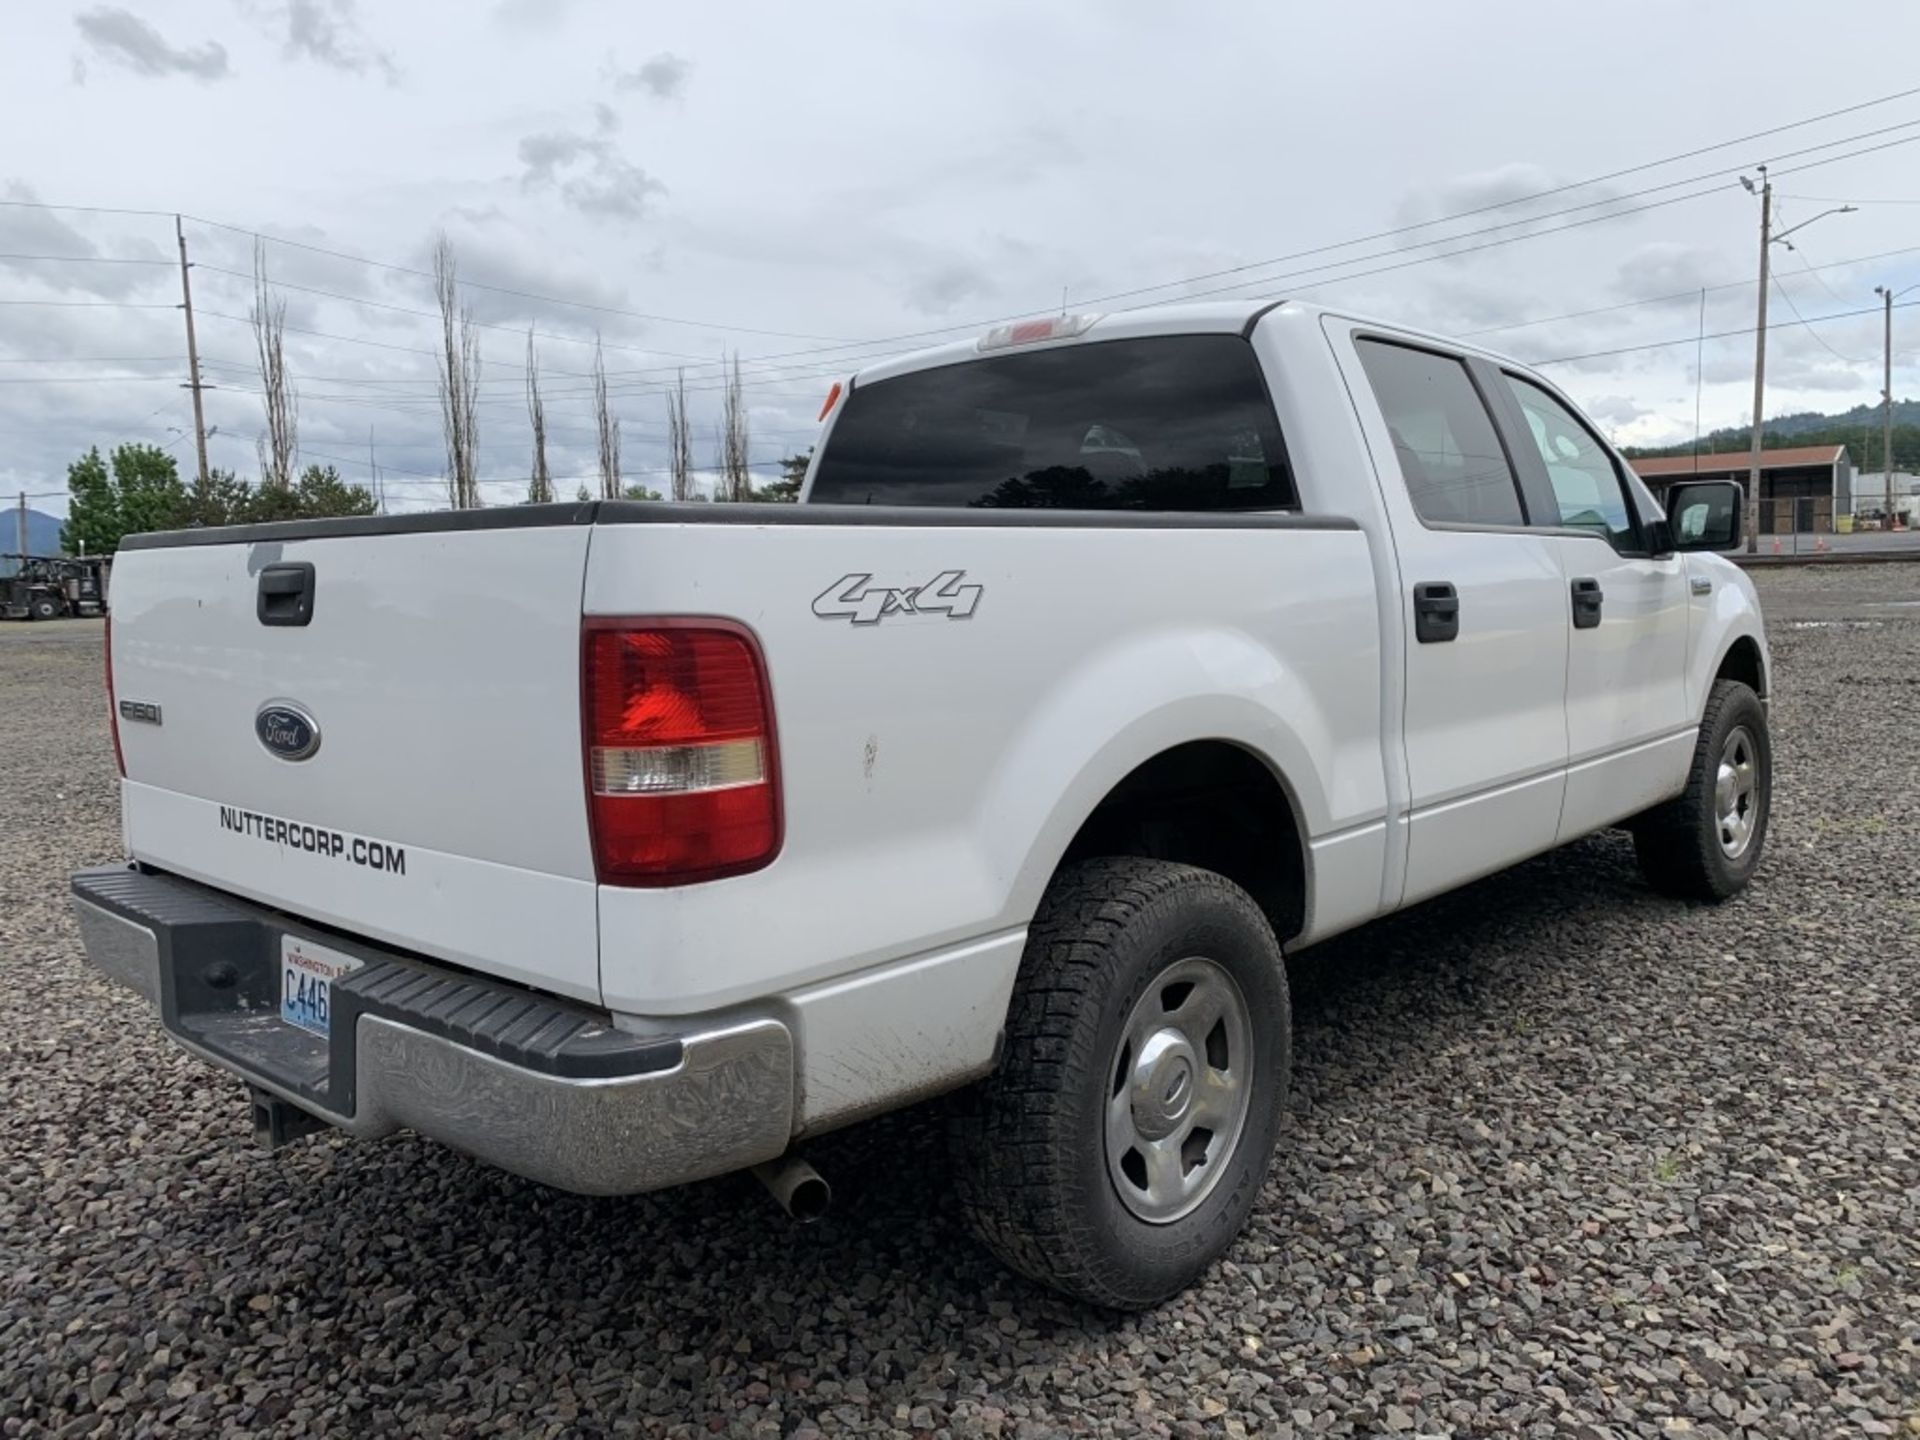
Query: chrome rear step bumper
(534, 1085)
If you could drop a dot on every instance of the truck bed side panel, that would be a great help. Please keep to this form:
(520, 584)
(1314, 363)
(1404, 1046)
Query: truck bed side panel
(936, 763)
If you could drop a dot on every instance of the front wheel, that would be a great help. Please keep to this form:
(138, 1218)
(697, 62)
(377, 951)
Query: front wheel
(1706, 844)
(1120, 1146)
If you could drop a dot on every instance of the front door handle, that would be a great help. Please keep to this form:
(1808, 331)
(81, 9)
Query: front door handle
(1587, 599)
(1436, 612)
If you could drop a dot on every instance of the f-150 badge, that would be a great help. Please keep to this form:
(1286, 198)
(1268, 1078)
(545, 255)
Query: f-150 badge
(851, 598)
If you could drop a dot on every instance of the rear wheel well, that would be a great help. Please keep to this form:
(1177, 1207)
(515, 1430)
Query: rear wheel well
(1742, 663)
(1214, 805)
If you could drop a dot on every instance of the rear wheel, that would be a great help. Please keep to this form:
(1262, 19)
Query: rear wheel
(44, 607)
(1121, 1144)
(1706, 844)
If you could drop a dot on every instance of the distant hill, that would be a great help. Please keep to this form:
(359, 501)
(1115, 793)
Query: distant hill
(1905, 412)
(43, 535)
(1858, 429)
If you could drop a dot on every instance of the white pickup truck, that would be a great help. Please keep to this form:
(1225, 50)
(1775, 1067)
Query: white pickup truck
(1105, 659)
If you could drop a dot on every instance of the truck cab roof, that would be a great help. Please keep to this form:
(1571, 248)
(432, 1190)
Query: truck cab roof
(1194, 317)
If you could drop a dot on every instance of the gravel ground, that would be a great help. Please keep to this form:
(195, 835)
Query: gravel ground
(1565, 1159)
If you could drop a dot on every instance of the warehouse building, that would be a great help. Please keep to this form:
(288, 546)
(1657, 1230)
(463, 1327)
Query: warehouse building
(1801, 488)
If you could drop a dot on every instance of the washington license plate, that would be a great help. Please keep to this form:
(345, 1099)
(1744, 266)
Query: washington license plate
(307, 973)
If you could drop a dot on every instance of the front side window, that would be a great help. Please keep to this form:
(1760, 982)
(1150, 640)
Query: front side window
(1449, 452)
(1178, 422)
(1586, 483)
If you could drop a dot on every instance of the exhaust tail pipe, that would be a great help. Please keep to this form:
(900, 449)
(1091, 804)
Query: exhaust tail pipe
(796, 1187)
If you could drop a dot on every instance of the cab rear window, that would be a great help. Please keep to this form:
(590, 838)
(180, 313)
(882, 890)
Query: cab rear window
(1172, 423)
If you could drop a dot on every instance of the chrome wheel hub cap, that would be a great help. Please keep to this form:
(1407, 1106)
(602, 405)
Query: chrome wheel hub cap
(1181, 1085)
(1736, 793)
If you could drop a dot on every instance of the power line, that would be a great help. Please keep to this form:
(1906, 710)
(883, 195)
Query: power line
(1570, 225)
(87, 380)
(324, 335)
(1781, 291)
(1283, 259)
(102, 304)
(1679, 295)
(83, 209)
(90, 259)
(517, 294)
(848, 346)
(1171, 284)
(824, 369)
(772, 376)
(89, 359)
(1711, 335)
(1835, 200)
(1808, 268)
(1465, 214)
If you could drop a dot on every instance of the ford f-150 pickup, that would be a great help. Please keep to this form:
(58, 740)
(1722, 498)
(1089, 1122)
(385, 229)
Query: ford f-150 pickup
(1105, 660)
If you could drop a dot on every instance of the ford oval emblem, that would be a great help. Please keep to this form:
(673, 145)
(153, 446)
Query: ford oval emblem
(287, 730)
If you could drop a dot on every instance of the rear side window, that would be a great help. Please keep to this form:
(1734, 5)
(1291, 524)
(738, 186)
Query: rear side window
(1178, 422)
(1443, 436)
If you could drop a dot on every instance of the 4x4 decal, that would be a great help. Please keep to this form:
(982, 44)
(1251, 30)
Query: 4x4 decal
(849, 598)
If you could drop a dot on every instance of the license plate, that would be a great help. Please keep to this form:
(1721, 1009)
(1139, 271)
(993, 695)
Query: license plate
(307, 973)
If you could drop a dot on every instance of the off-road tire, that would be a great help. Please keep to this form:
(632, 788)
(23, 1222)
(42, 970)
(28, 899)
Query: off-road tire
(1029, 1144)
(1678, 843)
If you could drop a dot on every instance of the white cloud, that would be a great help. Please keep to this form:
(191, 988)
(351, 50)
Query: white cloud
(663, 76)
(125, 39)
(328, 33)
(588, 170)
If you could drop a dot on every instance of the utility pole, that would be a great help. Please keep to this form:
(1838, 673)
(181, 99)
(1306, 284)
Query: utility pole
(193, 352)
(1886, 427)
(1767, 241)
(22, 532)
(1885, 292)
(1759, 363)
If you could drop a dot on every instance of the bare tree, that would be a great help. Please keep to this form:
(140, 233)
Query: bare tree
(459, 374)
(605, 426)
(279, 446)
(540, 487)
(679, 440)
(736, 475)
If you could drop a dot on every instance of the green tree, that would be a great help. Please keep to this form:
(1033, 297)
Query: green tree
(151, 495)
(639, 492)
(223, 498)
(793, 474)
(93, 508)
(139, 489)
(322, 494)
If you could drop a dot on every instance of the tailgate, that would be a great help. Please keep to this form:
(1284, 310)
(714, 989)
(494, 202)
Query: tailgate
(442, 808)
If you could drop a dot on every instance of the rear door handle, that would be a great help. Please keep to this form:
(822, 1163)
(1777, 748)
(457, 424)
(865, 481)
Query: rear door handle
(1587, 599)
(1436, 612)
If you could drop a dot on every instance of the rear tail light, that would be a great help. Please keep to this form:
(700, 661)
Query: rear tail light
(682, 770)
(113, 708)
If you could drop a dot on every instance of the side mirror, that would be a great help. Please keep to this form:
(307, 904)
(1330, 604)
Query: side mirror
(1706, 515)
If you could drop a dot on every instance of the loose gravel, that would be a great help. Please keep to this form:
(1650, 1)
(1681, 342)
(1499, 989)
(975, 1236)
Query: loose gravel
(1565, 1159)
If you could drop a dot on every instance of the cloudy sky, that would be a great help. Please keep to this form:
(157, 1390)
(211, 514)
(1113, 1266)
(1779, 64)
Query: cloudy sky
(807, 185)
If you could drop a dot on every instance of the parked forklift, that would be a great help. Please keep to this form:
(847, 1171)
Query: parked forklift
(44, 587)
